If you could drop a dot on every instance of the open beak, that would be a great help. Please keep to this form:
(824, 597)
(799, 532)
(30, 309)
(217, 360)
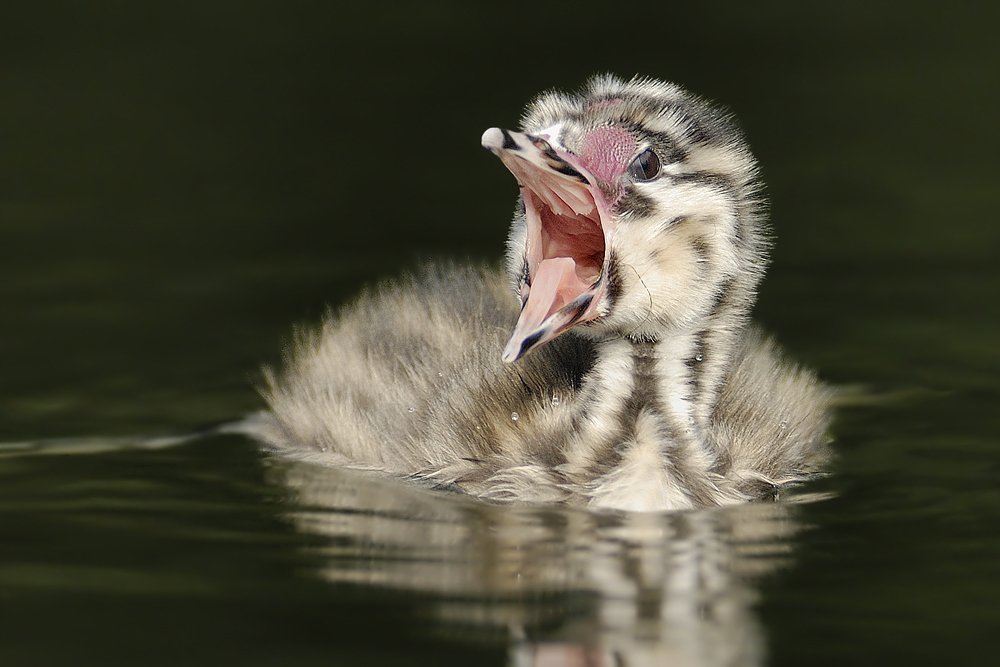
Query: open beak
(569, 228)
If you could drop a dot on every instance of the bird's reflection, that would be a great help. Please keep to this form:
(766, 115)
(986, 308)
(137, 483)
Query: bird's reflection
(567, 586)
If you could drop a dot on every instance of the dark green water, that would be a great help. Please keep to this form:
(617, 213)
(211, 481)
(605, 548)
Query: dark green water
(181, 182)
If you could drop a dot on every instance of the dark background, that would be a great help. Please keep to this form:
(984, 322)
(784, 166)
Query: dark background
(193, 176)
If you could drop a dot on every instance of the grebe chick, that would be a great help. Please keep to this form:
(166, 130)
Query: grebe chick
(612, 364)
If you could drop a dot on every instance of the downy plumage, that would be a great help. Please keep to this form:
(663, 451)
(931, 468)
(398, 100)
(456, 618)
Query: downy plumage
(612, 366)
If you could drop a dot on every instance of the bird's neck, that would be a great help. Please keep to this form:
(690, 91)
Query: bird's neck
(656, 393)
(677, 376)
(652, 401)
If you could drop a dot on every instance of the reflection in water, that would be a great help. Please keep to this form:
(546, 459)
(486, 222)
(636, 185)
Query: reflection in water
(569, 587)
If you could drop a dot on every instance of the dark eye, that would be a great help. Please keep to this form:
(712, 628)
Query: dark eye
(645, 167)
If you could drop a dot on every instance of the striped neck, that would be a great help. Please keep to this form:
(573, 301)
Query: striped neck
(653, 399)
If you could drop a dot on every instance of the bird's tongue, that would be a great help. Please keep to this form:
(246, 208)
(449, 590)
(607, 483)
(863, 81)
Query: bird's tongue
(554, 285)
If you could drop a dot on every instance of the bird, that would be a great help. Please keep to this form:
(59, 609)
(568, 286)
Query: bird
(610, 363)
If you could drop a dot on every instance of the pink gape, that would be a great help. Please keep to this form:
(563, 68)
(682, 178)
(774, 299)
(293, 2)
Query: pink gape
(568, 197)
(573, 240)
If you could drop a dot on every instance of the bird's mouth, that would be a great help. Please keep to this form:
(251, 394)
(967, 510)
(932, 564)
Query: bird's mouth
(569, 228)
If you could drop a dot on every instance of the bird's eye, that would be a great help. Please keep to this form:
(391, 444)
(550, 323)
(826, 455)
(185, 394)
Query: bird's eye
(645, 167)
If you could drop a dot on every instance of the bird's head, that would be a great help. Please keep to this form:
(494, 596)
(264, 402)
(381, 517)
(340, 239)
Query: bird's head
(639, 209)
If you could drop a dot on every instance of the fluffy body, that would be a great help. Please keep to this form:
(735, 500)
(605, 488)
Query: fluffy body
(662, 397)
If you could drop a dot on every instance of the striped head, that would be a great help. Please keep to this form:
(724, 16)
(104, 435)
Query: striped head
(639, 214)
